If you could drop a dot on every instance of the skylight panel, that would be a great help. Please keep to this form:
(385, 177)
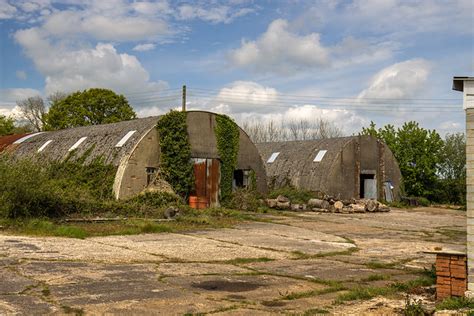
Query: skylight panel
(21, 140)
(320, 155)
(273, 157)
(78, 143)
(44, 145)
(125, 139)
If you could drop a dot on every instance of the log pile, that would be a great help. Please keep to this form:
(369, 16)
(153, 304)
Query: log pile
(328, 205)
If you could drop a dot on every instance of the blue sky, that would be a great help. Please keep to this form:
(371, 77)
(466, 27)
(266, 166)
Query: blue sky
(349, 62)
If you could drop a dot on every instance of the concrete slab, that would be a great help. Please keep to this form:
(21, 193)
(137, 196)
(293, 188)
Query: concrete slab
(279, 237)
(186, 247)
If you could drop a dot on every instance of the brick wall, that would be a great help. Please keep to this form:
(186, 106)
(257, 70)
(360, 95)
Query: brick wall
(451, 275)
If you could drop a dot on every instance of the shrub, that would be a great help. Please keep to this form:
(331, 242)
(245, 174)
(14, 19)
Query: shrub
(295, 195)
(243, 199)
(455, 303)
(54, 189)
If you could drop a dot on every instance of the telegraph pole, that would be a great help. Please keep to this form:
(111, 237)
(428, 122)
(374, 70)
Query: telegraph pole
(184, 99)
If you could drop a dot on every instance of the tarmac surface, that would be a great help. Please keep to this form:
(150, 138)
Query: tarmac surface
(253, 268)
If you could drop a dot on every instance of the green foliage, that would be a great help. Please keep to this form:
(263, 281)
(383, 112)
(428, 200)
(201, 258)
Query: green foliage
(88, 107)
(418, 152)
(156, 199)
(414, 307)
(53, 189)
(455, 303)
(452, 170)
(176, 164)
(44, 227)
(227, 136)
(295, 195)
(244, 199)
(7, 126)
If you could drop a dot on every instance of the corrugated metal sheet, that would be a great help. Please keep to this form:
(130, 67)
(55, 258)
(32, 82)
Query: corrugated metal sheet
(98, 141)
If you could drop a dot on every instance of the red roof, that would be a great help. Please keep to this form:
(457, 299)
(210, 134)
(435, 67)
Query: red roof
(6, 141)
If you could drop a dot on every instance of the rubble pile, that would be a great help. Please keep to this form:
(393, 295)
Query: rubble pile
(328, 205)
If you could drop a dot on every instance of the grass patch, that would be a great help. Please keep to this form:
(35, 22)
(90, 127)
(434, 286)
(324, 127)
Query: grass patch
(190, 220)
(237, 261)
(41, 227)
(299, 255)
(380, 265)
(335, 287)
(72, 310)
(368, 292)
(315, 311)
(455, 303)
(376, 277)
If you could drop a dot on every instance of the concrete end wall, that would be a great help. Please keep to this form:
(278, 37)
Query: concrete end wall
(202, 137)
(363, 155)
(131, 178)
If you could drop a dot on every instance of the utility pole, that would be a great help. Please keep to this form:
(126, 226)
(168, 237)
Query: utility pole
(184, 99)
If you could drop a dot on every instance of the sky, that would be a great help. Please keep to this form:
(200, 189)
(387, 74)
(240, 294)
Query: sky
(346, 61)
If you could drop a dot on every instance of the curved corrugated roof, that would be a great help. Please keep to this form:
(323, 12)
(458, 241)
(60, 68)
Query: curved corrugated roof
(95, 141)
(295, 161)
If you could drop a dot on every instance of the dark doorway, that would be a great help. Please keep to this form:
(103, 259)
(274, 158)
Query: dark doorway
(239, 178)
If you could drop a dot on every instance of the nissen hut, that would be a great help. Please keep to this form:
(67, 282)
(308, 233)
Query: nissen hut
(133, 147)
(346, 167)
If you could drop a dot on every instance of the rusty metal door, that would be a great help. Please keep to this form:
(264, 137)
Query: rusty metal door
(207, 175)
(200, 175)
(213, 181)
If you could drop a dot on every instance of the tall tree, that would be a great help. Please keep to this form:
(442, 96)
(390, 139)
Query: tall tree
(7, 125)
(33, 110)
(89, 107)
(452, 169)
(418, 152)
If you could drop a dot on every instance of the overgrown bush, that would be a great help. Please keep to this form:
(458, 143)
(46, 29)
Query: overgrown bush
(456, 303)
(244, 199)
(28, 189)
(295, 195)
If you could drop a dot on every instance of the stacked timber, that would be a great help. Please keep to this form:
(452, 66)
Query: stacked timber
(329, 205)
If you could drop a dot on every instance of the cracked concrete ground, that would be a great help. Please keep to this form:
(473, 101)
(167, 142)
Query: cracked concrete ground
(288, 264)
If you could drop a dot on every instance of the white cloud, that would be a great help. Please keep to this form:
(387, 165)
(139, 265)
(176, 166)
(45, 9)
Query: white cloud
(245, 96)
(69, 70)
(9, 97)
(419, 16)
(279, 50)
(103, 27)
(7, 11)
(249, 101)
(213, 14)
(21, 74)
(400, 80)
(144, 47)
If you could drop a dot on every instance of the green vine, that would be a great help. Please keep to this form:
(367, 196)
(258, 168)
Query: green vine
(227, 136)
(176, 164)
